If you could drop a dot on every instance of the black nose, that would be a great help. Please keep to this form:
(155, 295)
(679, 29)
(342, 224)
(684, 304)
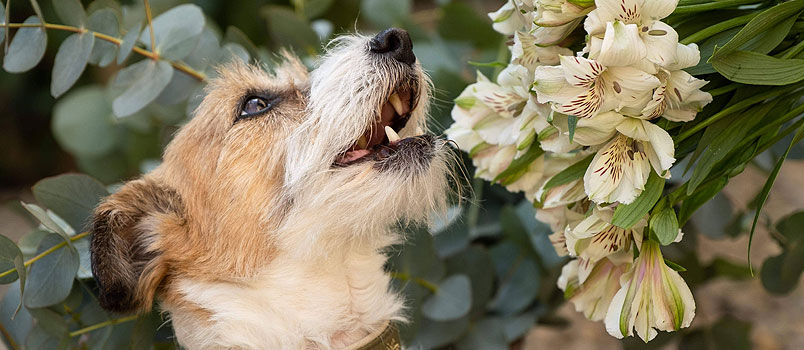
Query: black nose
(395, 43)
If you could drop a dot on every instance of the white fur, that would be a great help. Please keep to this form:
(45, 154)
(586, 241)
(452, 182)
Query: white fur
(326, 287)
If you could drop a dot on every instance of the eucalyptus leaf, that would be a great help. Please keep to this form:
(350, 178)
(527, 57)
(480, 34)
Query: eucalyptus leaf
(47, 221)
(51, 277)
(70, 61)
(628, 215)
(386, 13)
(26, 49)
(129, 40)
(288, 29)
(72, 196)
(39, 339)
(17, 324)
(104, 21)
(475, 263)
(147, 79)
(488, 333)
(2, 21)
(71, 12)
(8, 252)
(518, 287)
(176, 31)
(452, 300)
(83, 123)
(434, 334)
(417, 258)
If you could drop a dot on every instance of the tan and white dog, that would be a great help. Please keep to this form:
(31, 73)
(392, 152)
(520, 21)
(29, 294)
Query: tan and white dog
(266, 224)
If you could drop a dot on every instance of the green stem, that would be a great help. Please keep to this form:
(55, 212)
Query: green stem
(793, 51)
(724, 89)
(795, 112)
(45, 253)
(420, 281)
(734, 108)
(711, 6)
(717, 28)
(103, 324)
(117, 41)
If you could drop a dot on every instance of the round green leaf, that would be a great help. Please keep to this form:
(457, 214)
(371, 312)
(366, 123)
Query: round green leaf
(104, 21)
(475, 263)
(175, 31)
(39, 339)
(288, 29)
(386, 13)
(418, 258)
(433, 334)
(51, 277)
(518, 287)
(71, 12)
(83, 124)
(8, 252)
(145, 80)
(488, 333)
(70, 61)
(26, 48)
(72, 196)
(128, 42)
(17, 324)
(452, 300)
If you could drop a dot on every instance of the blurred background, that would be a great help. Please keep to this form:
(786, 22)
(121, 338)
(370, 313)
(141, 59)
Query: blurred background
(453, 40)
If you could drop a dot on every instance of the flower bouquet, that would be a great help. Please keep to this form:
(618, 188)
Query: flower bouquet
(598, 102)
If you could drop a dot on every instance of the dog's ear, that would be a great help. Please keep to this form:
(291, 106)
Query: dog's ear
(125, 243)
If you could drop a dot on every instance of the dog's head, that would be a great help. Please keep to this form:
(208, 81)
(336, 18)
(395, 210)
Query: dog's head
(278, 161)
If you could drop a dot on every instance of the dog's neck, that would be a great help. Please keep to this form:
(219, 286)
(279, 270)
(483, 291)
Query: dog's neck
(323, 299)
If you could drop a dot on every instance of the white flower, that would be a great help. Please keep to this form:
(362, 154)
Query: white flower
(595, 238)
(624, 32)
(652, 297)
(679, 98)
(510, 18)
(584, 87)
(555, 19)
(620, 169)
(528, 52)
(595, 294)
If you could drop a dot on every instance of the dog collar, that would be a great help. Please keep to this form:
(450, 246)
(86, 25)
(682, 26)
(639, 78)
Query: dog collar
(384, 338)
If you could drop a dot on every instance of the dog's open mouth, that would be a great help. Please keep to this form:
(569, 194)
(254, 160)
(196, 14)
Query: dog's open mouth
(381, 138)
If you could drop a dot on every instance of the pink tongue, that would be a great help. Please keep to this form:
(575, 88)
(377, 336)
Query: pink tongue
(352, 155)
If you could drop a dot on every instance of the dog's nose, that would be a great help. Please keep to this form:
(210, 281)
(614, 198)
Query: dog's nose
(396, 43)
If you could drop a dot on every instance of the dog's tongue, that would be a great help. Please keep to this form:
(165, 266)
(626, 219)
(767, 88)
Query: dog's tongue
(353, 155)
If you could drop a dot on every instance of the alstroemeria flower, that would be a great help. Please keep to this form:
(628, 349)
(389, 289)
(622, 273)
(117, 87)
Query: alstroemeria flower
(555, 19)
(620, 169)
(595, 238)
(512, 16)
(652, 297)
(679, 98)
(528, 52)
(594, 296)
(624, 32)
(584, 87)
(561, 195)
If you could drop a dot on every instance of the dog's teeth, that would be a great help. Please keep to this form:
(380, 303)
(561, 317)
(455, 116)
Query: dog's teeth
(392, 135)
(397, 103)
(362, 142)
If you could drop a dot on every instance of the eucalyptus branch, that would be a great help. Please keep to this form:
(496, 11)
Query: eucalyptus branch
(45, 253)
(117, 41)
(150, 28)
(420, 281)
(103, 324)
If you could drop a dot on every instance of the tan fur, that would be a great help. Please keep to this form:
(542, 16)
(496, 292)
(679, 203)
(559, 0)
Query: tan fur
(247, 234)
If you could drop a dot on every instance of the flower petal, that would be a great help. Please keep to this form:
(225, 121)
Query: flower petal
(661, 41)
(622, 45)
(657, 9)
(598, 129)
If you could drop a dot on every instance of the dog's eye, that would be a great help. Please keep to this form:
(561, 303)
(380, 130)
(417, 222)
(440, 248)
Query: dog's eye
(254, 105)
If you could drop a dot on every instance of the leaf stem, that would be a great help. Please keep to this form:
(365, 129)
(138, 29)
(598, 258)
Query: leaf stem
(45, 253)
(711, 6)
(734, 108)
(717, 28)
(117, 41)
(420, 281)
(151, 28)
(103, 324)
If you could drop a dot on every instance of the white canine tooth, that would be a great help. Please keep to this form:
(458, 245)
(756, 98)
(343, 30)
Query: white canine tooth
(392, 135)
(397, 104)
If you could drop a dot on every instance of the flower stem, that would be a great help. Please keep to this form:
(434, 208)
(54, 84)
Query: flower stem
(45, 253)
(103, 324)
(150, 27)
(117, 41)
(717, 28)
(734, 108)
(713, 5)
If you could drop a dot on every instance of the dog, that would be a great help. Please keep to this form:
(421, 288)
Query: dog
(268, 222)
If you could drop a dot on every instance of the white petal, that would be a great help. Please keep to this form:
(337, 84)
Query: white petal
(661, 42)
(598, 129)
(658, 9)
(615, 312)
(661, 150)
(622, 45)
(507, 19)
(619, 10)
(580, 71)
(686, 56)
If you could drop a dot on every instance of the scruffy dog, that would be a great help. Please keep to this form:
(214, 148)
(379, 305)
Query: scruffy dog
(264, 227)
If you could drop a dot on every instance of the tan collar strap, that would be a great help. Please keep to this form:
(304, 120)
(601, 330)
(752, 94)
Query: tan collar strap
(384, 338)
